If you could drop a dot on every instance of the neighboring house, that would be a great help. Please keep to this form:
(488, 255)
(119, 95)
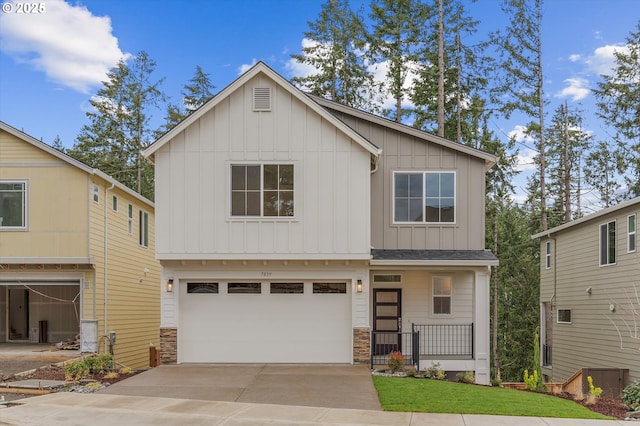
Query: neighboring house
(295, 230)
(590, 293)
(76, 254)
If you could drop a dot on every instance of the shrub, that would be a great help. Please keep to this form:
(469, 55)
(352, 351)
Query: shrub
(111, 375)
(435, 372)
(126, 370)
(631, 395)
(75, 371)
(99, 363)
(532, 382)
(466, 377)
(396, 361)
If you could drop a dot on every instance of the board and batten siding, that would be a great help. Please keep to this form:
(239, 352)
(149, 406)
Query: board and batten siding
(596, 337)
(331, 183)
(405, 152)
(132, 277)
(57, 224)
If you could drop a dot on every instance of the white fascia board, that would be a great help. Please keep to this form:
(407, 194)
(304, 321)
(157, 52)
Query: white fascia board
(445, 263)
(263, 256)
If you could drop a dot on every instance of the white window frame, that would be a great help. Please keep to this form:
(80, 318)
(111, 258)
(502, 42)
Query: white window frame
(607, 226)
(631, 233)
(25, 206)
(143, 230)
(262, 190)
(434, 295)
(114, 203)
(96, 193)
(424, 173)
(547, 254)
(130, 219)
(564, 322)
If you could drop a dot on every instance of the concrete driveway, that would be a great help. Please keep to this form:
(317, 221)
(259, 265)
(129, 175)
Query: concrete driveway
(331, 386)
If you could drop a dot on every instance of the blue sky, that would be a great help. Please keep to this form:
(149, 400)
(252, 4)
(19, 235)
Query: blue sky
(51, 63)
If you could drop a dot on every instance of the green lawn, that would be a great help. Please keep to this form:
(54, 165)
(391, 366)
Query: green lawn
(436, 396)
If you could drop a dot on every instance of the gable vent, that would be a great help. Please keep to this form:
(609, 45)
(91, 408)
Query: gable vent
(262, 99)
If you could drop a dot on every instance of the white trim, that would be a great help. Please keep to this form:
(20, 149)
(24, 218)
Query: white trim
(564, 322)
(424, 197)
(608, 246)
(632, 233)
(433, 313)
(443, 263)
(547, 254)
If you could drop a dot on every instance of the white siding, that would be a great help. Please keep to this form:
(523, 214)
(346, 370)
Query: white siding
(332, 184)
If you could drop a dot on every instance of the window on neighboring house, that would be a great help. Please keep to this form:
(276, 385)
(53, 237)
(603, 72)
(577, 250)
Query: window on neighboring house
(548, 254)
(425, 197)
(143, 230)
(631, 233)
(564, 316)
(608, 243)
(130, 219)
(262, 190)
(13, 205)
(442, 295)
(114, 203)
(96, 193)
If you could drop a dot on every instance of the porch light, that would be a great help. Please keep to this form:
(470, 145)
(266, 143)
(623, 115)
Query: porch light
(359, 286)
(170, 285)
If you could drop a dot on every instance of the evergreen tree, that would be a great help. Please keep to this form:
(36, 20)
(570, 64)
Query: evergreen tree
(57, 144)
(618, 100)
(195, 94)
(601, 168)
(521, 82)
(396, 40)
(118, 128)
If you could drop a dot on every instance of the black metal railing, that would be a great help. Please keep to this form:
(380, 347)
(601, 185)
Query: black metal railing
(546, 355)
(385, 342)
(445, 340)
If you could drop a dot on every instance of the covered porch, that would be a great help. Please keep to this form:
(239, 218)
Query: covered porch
(433, 307)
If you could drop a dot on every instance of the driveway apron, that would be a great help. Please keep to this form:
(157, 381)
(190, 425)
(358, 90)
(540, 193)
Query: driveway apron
(315, 385)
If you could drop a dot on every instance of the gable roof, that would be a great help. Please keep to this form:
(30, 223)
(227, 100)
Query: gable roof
(490, 159)
(258, 68)
(588, 218)
(71, 161)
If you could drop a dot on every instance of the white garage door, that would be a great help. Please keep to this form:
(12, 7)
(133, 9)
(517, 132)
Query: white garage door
(277, 322)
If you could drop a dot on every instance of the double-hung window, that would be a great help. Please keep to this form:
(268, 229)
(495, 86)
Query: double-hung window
(608, 243)
(262, 190)
(631, 233)
(442, 295)
(13, 205)
(143, 230)
(548, 254)
(424, 197)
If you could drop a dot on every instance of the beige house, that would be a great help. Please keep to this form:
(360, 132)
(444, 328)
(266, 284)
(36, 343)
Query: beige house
(76, 254)
(296, 230)
(590, 294)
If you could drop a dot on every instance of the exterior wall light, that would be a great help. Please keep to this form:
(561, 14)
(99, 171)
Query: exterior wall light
(170, 285)
(359, 286)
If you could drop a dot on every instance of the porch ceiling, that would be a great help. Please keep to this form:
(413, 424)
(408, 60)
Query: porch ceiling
(433, 257)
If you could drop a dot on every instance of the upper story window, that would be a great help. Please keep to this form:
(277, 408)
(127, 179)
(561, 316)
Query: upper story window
(13, 205)
(262, 190)
(143, 229)
(96, 193)
(130, 219)
(424, 197)
(631, 233)
(608, 243)
(114, 203)
(442, 295)
(548, 254)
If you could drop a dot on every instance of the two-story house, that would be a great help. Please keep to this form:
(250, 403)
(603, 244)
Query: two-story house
(292, 229)
(590, 293)
(76, 254)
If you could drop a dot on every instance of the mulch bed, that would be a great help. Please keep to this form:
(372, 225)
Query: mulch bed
(607, 406)
(56, 372)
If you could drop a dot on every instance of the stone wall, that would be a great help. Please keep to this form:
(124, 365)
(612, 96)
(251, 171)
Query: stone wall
(361, 345)
(168, 345)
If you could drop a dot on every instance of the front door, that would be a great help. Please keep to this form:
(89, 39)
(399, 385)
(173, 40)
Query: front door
(387, 320)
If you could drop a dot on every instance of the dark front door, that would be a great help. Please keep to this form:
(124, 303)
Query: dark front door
(387, 320)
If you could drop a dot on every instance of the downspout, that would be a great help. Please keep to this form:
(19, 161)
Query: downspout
(106, 263)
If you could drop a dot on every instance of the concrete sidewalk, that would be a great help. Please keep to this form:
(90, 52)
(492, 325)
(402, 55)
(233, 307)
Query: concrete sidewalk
(67, 408)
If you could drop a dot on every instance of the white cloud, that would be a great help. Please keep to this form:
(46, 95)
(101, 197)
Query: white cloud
(70, 45)
(575, 57)
(577, 89)
(245, 67)
(602, 61)
(526, 155)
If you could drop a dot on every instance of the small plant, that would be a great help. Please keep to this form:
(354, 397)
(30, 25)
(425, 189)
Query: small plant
(75, 371)
(396, 361)
(532, 382)
(631, 395)
(111, 375)
(99, 363)
(496, 382)
(435, 372)
(126, 370)
(594, 392)
(466, 377)
(93, 385)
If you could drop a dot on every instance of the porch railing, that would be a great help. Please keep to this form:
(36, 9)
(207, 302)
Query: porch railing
(424, 340)
(445, 340)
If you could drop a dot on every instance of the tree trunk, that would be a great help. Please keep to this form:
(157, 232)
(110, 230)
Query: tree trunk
(440, 69)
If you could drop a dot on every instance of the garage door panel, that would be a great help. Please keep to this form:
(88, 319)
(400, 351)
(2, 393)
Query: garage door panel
(288, 328)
